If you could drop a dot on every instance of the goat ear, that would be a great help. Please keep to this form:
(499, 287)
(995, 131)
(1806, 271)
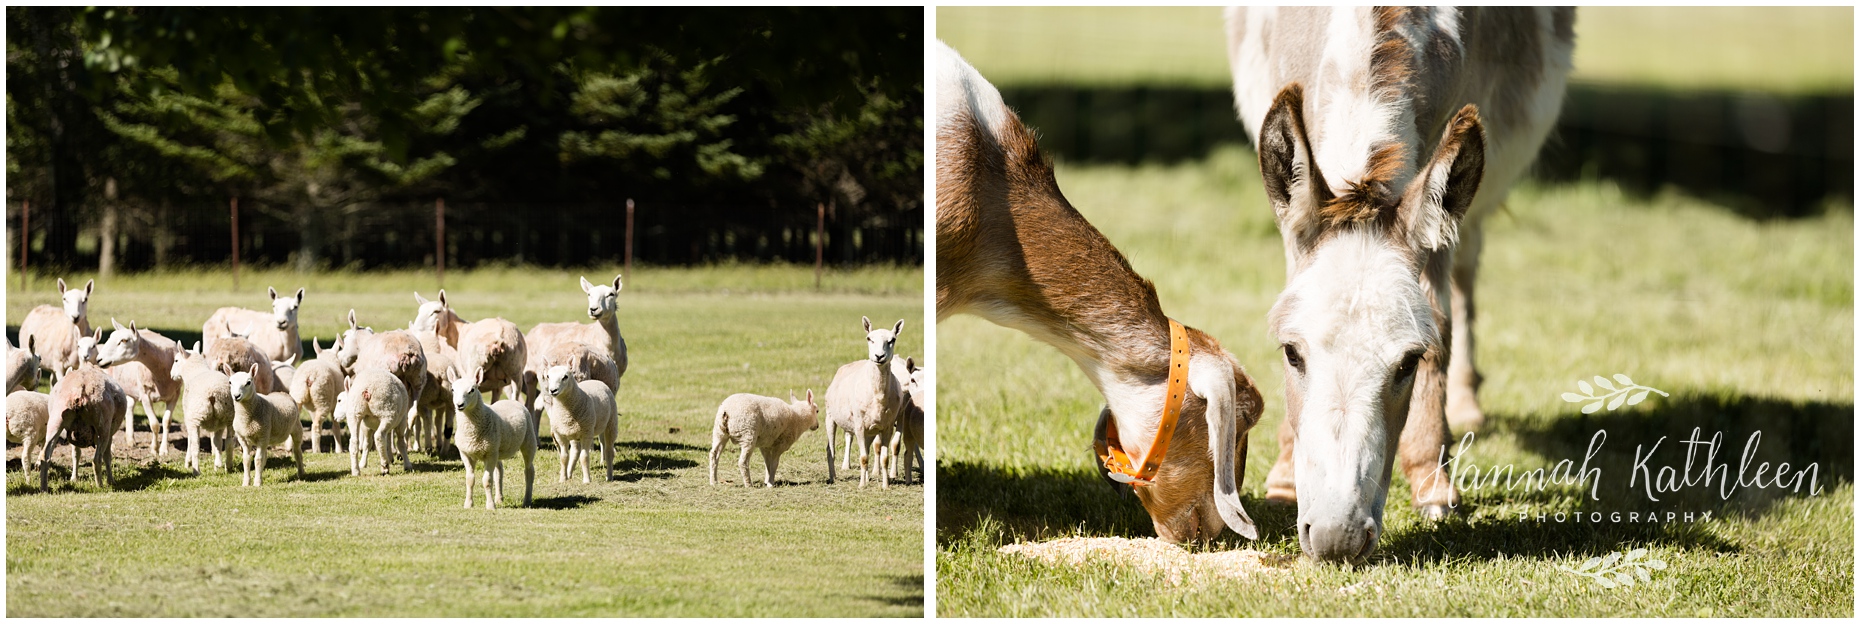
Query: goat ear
(1294, 186)
(897, 329)
(1434, 203)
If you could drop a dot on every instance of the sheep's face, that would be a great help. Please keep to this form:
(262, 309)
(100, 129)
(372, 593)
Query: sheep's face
(807, 407)
(430, 313)
(345, 408)
(76, 301)
(880, 342)
(242, 386)
(284, 309)
(557, 379)
(465, 395)
(181, 357)
(86, 351)
(349, 346)
(602, 299)
(123, 346)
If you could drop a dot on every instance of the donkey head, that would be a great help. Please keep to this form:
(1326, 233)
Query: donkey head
(880, 343)
(1358, 316)
(76, 301)
(284, 309)
(602, 299)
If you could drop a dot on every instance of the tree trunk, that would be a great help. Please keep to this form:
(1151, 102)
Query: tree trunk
(106, 248)
(309, 236)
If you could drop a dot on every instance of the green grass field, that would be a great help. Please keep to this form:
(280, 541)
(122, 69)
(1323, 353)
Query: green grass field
(658, 541)
(1795, 49)
(1748, 324)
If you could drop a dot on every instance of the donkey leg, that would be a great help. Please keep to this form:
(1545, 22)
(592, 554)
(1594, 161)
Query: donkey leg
(1424, 441)
(1463, 411)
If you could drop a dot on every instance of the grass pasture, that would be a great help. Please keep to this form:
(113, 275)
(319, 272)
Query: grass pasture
(657, 541)
(1748, 324)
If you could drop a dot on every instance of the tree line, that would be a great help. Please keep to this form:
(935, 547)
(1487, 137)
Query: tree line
(131, 132)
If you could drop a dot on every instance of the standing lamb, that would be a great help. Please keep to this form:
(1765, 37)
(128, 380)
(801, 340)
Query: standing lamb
(759, 422)
(242, 356)
(374, 402)
(433, 408)
(84, 407)
(55, 332)
(863, 399)
(603, 333)
(397, 352)
(26, 415)
(907, 438)
(22, 366)
(580, 413)
(141, 361)
(495, 346)
(206, 406)
(262, 421)
(274, 332)
(585, 363)
(489, 434)
(314, 387)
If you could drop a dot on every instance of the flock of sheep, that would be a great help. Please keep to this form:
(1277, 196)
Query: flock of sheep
(399, 391)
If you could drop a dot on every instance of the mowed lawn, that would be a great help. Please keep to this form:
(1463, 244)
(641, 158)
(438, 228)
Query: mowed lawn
(657, 541)
(1749, 326)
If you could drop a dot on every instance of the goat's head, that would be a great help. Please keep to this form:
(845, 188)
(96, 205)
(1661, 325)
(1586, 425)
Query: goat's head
(1358, 317)
(880, 343)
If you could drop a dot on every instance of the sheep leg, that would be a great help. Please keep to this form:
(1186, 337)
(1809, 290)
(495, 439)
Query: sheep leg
(155, 430)
(51, 438)
(607, 447)
(561, 456)
(193, 448)
(258, 474)
(297, 449)
(846, 457)
(742, 462)
(356, 458)
(245, 461)
(493, 483)
(884, 458)
(770, 459)
(406, 459)
(167, 413)
(716, 452)
(384, 444)
(129, 422)
(831, 438)
(467, 460)
(581, 453)
(529, 473)
(316, 431)
(864, 461)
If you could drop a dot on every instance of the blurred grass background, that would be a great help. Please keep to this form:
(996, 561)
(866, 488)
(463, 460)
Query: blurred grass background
(1780, 49)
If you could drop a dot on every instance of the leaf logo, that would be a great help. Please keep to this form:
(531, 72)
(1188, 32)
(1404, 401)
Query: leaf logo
(1616, 570)
(1628, 393)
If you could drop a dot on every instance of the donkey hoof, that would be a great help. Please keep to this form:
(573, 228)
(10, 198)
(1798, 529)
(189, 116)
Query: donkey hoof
(1434, 513)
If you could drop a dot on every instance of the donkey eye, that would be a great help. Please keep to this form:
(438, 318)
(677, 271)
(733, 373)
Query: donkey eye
(1405, 371)
(1292, 358)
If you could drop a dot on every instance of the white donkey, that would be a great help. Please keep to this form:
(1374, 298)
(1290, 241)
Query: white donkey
(1385, 135)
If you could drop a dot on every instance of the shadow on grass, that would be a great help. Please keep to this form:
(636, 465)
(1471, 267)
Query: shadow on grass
(571, 501)
(1457, 539)
(653, 445)
(1033, 503)
(651, 463)
(1799, 433)
(911, 588)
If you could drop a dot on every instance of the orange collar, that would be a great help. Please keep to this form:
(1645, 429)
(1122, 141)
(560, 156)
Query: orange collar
(1111, 450)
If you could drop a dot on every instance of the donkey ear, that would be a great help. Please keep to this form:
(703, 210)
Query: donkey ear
(1294, 186)
(1439, 197)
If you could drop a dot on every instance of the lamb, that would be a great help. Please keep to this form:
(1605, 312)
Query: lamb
(262, 421)
(603, 333)
(488, 434)
(438, 317)
(83, 408)
(759, 422)
(580, 412)
(85, 352)
(242, 356)
(26, 416)
(863, 399)
(274, 333)
(206, 405)
(314, 387)
(141, 361)
(55, 332)
(496, 347)
(374, 402)
(907, 438)
(397, 352)
(433, 408)
(22, 365)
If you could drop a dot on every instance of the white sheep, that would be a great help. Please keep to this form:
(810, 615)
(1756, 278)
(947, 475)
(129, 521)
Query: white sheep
(433, 408)
(314, 387)
(22, 365)
(141, 361)
(759, 422)
(235, 352)
(55, 331)
(487, 435)
(604, 333)
(863, 399)
(580, 413)
(85, 352)
(206, 406)
(374, 403)
(262, 421)
(84, 409)
(438, 317)
(907, 437)
(282, 372)
(398, 352)
(495, 346)
(585, 363)
(26, 414)
(274, 332)
(900, 368)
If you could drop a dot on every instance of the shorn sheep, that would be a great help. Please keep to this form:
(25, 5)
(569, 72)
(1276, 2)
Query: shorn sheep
(84, 407)
(234, 351)
(22, 366)
(206, 406)
(274, 332)
(314, 387)
(262, 421)
(863, 399)
(397, 352)
(907, 438)
(26, 414)
(900, 368)
(603, 333)
(495, 346)
(433, 408)
(141, 361)
(438, 317)
(757, 422)
(487, 435)
(374, 402)
(581, 413)
(55, 331)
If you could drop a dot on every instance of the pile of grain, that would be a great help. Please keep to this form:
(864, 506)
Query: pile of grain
(1148, 555)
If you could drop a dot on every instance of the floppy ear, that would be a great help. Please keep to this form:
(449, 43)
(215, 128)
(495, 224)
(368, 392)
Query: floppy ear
(1439, 197)
(585, 286)
(300, 295)
(1294, 186)
(867, 322)
(897, 329)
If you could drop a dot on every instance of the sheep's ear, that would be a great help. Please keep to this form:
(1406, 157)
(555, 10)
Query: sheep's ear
(273, 292)
(97, 335)
(316, 347)
(118, 326)
(89, 286)
(478, 379)
(418, 299)
(32, 345)
(300, 295)
(616, 283)
(910, 365)
(810, 396)
(585, 286)
(347, 382)
(897, 329)
(196, 347)
(226, 369)
(352, 324)
(867, 322)
(442, 300)
(791, 398)
(132, 328)
(61, 286)
(292, 361)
